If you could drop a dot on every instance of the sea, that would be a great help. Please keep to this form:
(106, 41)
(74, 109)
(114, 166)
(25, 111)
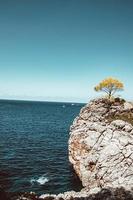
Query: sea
(34, 146)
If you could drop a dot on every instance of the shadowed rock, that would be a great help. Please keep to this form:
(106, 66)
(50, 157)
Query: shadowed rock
(3, 194)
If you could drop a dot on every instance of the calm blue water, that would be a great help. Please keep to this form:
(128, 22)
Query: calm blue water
(33, 146)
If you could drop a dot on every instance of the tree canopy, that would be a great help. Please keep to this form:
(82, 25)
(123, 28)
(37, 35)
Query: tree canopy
(109, 86)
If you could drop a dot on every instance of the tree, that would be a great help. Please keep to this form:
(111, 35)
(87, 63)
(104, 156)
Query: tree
(109, 86)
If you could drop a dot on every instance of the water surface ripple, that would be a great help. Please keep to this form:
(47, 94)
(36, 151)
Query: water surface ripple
(33, 146)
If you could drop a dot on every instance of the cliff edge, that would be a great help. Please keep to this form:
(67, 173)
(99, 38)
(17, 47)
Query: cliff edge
(101, 144)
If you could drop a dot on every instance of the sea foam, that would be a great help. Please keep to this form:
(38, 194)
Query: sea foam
(41, 180)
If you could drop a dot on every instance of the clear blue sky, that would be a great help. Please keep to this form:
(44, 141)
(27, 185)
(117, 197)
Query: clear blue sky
(60, 49)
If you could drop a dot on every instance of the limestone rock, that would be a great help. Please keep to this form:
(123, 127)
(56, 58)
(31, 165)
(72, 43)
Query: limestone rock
(128, 106)
(84, 194)
(101, 151)
(95, 194)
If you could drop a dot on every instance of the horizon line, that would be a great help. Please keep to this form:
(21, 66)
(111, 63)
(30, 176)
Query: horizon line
(41, 101)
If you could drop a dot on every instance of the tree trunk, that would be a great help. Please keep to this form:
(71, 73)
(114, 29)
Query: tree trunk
(110, 94)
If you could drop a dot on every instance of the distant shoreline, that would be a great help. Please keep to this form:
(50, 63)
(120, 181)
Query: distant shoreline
(41, 101)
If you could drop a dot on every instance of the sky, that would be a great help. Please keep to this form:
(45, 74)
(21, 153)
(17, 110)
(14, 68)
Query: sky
(58, 50)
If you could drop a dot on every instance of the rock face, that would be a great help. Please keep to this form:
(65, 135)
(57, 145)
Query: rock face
(103, 194)
(101, 144)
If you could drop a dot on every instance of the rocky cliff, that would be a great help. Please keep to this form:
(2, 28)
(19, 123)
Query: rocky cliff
(101, 144)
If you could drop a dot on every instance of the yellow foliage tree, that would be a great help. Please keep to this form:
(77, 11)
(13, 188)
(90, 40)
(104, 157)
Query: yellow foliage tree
(109, 86)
